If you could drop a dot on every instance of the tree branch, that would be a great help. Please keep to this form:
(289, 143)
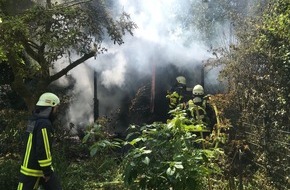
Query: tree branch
(70, 67)
(18, 83)
(30, 51)
(39, 57)
(33, 44)
(74, 3)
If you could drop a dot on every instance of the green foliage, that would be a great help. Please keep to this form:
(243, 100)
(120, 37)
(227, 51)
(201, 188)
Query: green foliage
(258, 70)
(74, 165)
(174, 99)
(11, 131)
(9, 170)
(98, 140)
(2, 55)
(61, 28)
(164, 156)
(34, 40)
(205, 18)
(77, 172)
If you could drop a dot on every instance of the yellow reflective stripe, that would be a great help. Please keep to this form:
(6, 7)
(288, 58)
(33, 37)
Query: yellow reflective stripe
(31, 172)
(46, 143)
(20, 186)
(28, 149)
(44, 163)
(36, 183)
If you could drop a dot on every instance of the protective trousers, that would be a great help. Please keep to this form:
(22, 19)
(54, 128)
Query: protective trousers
(32, 183)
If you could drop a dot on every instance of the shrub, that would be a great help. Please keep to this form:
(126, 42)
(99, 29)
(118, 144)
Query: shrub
(9, 173)
(169, 156)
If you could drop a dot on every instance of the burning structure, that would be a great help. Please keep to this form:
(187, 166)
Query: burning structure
(132, 80)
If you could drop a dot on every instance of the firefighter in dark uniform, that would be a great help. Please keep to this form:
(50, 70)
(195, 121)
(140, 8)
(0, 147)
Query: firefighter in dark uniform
(178, 93)
(36, 168)
(202, 111)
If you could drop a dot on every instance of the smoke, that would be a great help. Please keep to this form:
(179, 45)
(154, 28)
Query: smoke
(82, 96)
(114, 75)
(164, 37)
(159, 41)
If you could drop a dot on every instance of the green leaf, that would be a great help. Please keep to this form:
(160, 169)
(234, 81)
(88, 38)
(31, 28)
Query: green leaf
(178, 166)
(93, 151)
(134, 141)
(147, 151)
(86, 137)
(146, 160)
(170, 171)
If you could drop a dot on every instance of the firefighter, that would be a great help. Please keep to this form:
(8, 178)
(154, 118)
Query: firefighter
(202, 111)
(36, 168)
(178, 93)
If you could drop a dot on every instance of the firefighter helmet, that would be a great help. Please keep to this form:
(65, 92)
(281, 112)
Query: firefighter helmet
(48, 99)
(198, 90)
(181, 80)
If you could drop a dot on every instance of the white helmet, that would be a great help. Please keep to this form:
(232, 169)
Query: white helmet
(48, 99)
(198, 90)
(181, 80)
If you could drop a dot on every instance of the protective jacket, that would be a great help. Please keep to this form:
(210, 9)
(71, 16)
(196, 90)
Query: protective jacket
(178, 94)
(37, 157)
(203, 112)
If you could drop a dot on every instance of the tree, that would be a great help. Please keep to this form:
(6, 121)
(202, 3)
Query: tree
(33, 40)
(208, 17)
(258, 70)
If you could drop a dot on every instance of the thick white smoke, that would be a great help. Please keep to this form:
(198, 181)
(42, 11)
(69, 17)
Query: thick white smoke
(160, 39)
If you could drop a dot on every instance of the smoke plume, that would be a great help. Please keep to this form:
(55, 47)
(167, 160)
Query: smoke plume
(165, 37)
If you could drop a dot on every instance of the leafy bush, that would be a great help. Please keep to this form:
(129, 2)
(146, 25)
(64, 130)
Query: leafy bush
(165, 156)
(11, 131)
(99, 165)
(9, 173)
(84, 173)
(11, 145)
(257, 70)
(100, 141)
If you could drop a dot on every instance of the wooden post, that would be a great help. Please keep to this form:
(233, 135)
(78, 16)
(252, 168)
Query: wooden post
(96, 101)
(202, 75)
(153, 83)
